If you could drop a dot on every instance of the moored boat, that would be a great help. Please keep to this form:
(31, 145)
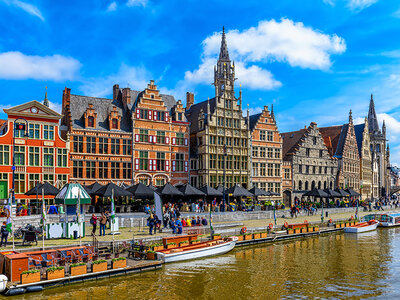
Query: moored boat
(388, 219)
(204, 249)
(362, 227)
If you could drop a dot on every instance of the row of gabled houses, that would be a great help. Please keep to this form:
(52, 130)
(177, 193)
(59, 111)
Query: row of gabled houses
(149, 137)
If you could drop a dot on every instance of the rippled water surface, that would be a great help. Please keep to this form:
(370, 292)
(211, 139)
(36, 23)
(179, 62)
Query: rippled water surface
(336, 266)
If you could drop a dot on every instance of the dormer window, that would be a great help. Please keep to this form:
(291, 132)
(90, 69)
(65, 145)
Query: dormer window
(114, 123)
(90, 121)
(152, 96)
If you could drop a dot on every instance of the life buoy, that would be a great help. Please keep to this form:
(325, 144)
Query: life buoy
(270, 225)
(305, 222)
(286, 225)
(330, 220)
(352, 218)
(243, 230)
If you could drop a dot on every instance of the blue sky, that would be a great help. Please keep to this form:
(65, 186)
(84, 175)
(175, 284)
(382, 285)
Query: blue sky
(314, 59)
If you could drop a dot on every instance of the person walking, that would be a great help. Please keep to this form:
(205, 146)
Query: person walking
(150, 223)
(172, 225)
(4, 234)
(93, 221)
(107, 214)
(103, 222)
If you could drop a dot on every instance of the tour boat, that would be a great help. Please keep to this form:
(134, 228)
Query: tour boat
(204, 249)
(388, 219)
(362, 227)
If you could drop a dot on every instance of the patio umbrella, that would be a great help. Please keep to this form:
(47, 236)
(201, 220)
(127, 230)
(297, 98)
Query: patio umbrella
(316, 193)
(124, 185)
(70, 193)
(272, 194)
(43, 189)
(152, 187)
(352, 193)
(190, 191)
(342, 192)
(108, 190)
(141, 191)
(332, 193)
(94, 188)
(87, 188)
(238, 191)
(210, 192)
(258, 192)
(169, 190)
(220, 188)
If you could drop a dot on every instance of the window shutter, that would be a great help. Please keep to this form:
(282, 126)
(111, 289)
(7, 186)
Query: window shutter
(136, 163)
(167, 140)
(173, 141)
(150, 138)
(136, 137)
(150, 115)
(137, 113)
(186, 142)
(186, 166)
(154, 139)
(150, 164)
(167, 165)
(154, 165)
(155, 116)
(173, 165)
(166, 117)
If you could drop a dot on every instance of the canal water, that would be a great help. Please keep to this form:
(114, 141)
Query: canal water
(336, 266)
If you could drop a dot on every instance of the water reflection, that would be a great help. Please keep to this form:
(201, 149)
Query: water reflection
(331, 266)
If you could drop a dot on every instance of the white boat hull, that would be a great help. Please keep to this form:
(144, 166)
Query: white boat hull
(197, 253)
(361, 229)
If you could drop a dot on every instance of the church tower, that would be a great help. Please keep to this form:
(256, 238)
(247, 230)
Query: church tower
(372, 119)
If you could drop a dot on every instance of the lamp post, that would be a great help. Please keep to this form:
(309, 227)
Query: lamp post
(223, 190)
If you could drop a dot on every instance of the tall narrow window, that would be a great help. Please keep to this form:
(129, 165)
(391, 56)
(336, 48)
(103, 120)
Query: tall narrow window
(77, 170)
(114, 123)
(19, 156)
(143, 160)
(78, 144)
(33, 180)
(90, 144)
(144, 135)
(115, 146)
(90, 169)
(62, 157)
(48, 157)
(160, 161)
(34, 131)
(103, 146)
(34, 159)
(48, 132)
(19, 183)
(103, 169)
(126, 147)
(115, 173)
(160, 137)
(180, 161)
(4, 155)
(91, 121)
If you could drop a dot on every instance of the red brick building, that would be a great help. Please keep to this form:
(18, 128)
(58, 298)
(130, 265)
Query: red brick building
(137, 136)
(41, 156)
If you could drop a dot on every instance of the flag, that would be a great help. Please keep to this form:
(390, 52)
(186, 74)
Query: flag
(112, 208)
(9, 208)
(43, 212)
(78, 207)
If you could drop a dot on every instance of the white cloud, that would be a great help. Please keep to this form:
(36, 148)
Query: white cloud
(131, 3)
(56, 106)
(29, 8)
(252, 110)
(360, 4)
(281, 41)
(16, 65)
(112, 6)
(136, 77)
(392, 126)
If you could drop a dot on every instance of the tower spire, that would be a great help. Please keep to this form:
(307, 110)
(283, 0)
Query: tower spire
(46, 101)
(272, 112)
(372, 119)
(223, 53)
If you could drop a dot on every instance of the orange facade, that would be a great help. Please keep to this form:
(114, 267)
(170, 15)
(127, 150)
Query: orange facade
(41, 156)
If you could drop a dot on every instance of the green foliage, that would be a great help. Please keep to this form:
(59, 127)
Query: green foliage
(172, 243)
(248, 233)
(150, 251)
(99, 261)
(78, 264)
(197, 240)
(217, 234)
(30, 271)
(119, 258)
(157, 245)
(53, 269)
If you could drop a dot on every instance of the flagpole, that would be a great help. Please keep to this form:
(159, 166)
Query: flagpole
(11, 219)
(44, 217)
(112, 217)
(78, 215)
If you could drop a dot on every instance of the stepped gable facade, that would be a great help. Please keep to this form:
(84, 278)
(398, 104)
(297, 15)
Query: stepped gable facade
(342, 145)
(266, 152)
(367, 178)
(312, 165)
(126, 139)
(219, 134)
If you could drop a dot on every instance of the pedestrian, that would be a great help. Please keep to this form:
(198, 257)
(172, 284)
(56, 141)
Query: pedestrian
(147, 209)
(157, 223)
(165, 221)
(150, 223)
(93, 221)
(172, 225)
(178, 224)
(107, 214)
(4, 234)
(103, 222)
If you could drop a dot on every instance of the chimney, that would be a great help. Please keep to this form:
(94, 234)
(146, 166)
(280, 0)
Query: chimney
(126, 96)
(115, 91)
(189, 100)
(66, 99)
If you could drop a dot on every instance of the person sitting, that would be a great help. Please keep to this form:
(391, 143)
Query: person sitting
(183, 223)
(178, 224)
(198, 221)
(52, 210)
(204, 221)
(188, 222)
(172, 225)
(194, 221)
(19, 209)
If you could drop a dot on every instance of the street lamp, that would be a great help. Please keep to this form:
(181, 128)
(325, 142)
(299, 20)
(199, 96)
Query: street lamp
(223, 191)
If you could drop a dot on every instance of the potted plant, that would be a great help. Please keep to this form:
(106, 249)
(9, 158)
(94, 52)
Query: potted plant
(151, 255)
(30, 276)
(263, 235)
(240, 237)
(297, 230)
(183, 243)
(78, 269)
(303, 229)
(248, 236)
(99, 265)
(196, 241)
(290, 231)
(216, 236)
(316, 228)
(342, 225)
(257, 235)
(157, 247)
(55, 273)
(171, 245)
(119, 262)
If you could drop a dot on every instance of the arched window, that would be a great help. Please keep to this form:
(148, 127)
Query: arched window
(331, 185)
(319, 184)
(114, 123)
(90, 121)
(306, 186)
(325, 185)
(313, 185)
(300, 185)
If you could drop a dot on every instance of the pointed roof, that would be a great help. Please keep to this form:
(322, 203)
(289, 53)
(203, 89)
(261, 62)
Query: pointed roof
(33, 109)
(332, 138)
(358, 131)
(290, 141)
(372, 119)
(70, 194)
(223, 53)
(46, 101)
